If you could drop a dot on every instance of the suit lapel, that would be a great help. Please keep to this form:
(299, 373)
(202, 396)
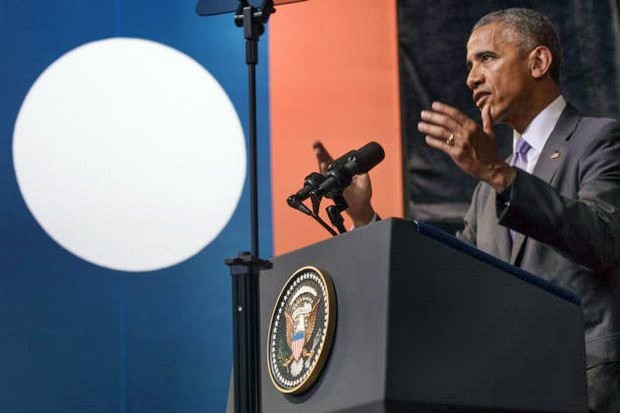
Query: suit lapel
(548, 162)
(555, 147)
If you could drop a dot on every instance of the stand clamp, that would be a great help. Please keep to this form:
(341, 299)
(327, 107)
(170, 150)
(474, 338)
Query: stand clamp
(334, 212)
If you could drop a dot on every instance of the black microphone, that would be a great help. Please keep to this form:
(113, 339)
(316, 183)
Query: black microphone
(340, 173)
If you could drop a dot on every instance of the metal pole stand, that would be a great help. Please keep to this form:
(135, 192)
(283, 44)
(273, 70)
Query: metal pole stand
(245, 268)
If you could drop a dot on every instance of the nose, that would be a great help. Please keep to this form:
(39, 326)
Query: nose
(474, 78)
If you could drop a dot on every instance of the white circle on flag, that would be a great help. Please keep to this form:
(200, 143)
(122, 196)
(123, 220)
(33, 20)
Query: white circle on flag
(129, 154)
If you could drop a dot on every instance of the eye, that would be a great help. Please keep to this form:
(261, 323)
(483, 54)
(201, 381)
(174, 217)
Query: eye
(486, 57)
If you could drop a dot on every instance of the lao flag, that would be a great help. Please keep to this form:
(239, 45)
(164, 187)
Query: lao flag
(123, 140)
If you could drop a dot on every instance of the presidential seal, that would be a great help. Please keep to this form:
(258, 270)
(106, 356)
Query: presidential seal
(301, 330)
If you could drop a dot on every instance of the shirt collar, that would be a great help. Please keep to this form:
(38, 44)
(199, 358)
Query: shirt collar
(540, 128)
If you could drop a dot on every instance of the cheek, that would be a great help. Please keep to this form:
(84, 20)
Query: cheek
(506, 89)
(501, 99)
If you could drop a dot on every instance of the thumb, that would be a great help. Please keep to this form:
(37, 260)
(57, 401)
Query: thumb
(322, 156)
(487, 121)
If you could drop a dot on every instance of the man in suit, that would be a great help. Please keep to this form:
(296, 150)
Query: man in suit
(554, 208)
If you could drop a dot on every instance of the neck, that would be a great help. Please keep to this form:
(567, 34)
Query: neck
(539, 98)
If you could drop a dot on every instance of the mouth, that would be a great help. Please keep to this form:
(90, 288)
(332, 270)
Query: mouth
(480, 98)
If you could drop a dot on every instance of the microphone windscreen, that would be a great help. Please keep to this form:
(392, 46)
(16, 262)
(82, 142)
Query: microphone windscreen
(369, 156)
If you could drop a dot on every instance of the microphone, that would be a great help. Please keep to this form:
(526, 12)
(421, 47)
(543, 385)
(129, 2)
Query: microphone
(340, 173)
(311, 183)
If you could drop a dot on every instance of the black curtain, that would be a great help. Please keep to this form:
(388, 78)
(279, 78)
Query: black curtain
(432, 39)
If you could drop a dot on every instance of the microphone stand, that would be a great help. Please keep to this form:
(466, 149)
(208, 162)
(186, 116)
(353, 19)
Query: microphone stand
(334, 212)
(301, 207)
(245, 268)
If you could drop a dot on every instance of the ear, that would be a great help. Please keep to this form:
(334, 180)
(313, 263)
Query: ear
(540, 59)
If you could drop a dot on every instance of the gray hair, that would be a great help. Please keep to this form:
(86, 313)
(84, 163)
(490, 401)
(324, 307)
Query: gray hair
(532, 30)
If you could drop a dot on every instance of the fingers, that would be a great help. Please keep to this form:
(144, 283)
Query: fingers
(487, 120)
(438, 144)
(322, 156)
(473, 148)
(451, 112)
(435, 131)
(439, 119)
(444, 120)
(358, 196)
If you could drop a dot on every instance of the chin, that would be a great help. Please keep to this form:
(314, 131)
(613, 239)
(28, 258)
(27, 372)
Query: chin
(498, 116)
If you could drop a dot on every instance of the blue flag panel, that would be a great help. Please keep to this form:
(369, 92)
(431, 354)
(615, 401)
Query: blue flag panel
(83, 337)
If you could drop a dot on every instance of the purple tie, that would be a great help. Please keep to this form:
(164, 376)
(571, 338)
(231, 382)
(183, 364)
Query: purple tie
(519, 160)
(519, 157)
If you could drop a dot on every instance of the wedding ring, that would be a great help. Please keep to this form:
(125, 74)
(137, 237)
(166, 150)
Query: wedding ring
(450, 140)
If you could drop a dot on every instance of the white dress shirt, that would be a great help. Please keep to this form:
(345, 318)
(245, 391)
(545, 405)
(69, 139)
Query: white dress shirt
(539, 130)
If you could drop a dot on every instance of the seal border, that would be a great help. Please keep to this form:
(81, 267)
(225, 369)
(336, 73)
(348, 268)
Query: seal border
(326, 346)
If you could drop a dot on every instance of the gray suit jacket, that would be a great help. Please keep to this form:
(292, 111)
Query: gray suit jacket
(567, 214)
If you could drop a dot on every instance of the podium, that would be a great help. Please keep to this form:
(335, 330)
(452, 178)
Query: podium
(427, 323)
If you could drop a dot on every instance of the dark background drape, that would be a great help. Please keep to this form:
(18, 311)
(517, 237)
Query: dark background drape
(432, 37)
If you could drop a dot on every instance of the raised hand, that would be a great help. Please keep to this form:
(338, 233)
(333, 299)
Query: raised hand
(358, 195)
(471, 147)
